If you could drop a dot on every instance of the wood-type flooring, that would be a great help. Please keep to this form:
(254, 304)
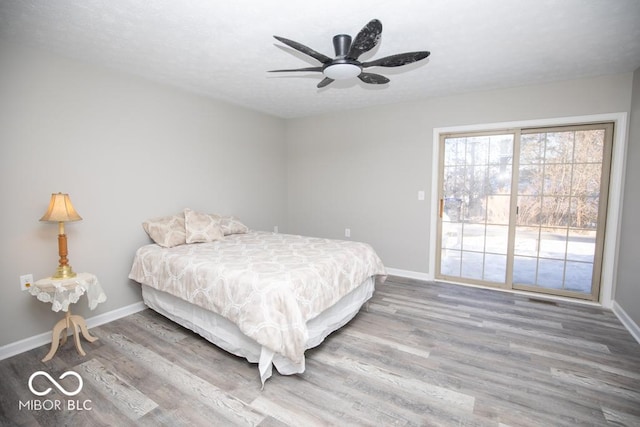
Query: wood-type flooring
(425, 354)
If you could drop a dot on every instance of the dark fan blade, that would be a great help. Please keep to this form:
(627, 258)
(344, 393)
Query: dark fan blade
(325, 82)
(306, 50)
(397, 60)
(297, 69)
(366, 39)
(374, 79)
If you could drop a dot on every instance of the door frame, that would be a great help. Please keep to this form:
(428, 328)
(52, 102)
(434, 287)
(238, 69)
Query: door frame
(614, 200)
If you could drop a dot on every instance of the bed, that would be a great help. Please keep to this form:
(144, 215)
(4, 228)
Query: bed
(263, 296)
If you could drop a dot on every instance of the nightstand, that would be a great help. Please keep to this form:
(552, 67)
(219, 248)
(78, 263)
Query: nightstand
(61, 293)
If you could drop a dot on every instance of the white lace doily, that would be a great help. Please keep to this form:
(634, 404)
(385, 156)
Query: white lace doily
(62, 292)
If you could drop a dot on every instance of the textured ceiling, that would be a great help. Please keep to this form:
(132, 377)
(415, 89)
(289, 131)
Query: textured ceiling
(223, 49)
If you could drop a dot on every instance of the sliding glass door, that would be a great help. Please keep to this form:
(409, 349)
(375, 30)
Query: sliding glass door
(561, 199)
(475, 206)
(525, 208)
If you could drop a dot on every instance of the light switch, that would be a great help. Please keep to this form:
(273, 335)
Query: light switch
(420, 195)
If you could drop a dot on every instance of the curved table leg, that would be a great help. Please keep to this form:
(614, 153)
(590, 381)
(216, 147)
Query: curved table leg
(63, 340)
(60, 327)
(78, 320)
(70, 321)
(76, 337)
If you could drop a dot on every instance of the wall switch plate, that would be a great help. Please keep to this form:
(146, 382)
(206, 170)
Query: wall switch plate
(26, 281)
(347, 232)
(420, 195)
(275, 228)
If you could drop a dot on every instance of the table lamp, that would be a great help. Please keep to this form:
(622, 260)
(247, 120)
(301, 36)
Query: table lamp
(61, 210)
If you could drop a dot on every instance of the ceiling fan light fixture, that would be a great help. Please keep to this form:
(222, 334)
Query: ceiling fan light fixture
(345, 65)
(342, 71)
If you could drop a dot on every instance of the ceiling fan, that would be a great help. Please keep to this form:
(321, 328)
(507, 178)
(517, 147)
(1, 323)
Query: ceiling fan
(346, 65)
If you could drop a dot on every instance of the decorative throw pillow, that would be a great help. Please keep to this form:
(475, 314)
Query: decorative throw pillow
(166, 231)
(201, 227)
(232, 225)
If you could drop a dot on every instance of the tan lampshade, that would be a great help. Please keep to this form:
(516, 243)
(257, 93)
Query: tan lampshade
(60, 209)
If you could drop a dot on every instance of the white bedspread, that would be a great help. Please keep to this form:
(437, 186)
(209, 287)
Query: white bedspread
(268, 284)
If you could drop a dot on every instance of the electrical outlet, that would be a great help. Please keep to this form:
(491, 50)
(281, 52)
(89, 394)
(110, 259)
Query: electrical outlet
(275, 228)
(347, 232)
(25, 281)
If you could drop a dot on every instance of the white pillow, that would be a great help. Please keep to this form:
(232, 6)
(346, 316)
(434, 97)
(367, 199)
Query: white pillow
(232, 225)
(166, 231)
(201, 227)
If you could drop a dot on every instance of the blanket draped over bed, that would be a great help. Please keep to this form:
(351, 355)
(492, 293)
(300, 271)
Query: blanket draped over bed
(269, 285)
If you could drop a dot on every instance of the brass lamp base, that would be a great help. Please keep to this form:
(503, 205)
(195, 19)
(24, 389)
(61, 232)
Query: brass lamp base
(64, 272)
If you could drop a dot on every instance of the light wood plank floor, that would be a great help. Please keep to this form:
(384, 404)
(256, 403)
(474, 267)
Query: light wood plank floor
(423, 354)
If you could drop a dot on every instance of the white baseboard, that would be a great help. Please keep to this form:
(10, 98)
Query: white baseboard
(409, 274)
(30, 343)
(627, 321)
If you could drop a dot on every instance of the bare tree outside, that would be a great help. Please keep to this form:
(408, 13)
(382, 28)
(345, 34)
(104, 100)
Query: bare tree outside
(560, 177)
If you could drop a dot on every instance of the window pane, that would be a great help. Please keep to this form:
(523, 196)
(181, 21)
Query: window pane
(499, 179)
(477, 150)
(501, 150)
(524, 270)
(558, 147)
(581, 245)
(495, 268)
(526, 241)
(454, 151)
(531, 148)
(476, 210)
(472, 265)
(586, 179)
(497, 239)
(477, 181)
(555, 211)
(451, 232)
(529, 210)
(498, 209)
(557, 179)
(473, 237)
(453, 181)
(450, 263)
(553, 243)
(589, 146)
(550, 273)
(530, 180)
(584, 212)
(578, 277)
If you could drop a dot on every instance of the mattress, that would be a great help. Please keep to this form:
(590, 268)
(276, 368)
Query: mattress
(269, 286)
(226, 335)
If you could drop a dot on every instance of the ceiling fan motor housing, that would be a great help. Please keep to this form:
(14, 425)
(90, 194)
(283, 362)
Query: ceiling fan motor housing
(342, 68)
(341, 44)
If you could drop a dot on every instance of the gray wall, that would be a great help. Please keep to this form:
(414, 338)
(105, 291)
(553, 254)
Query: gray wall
(363, 169)
(627, 293)
(125, 150)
